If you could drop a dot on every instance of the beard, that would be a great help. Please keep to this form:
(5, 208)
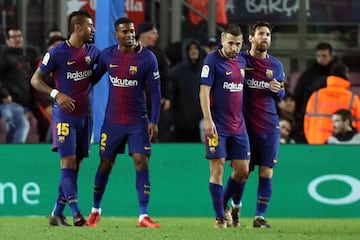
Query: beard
(262, 47)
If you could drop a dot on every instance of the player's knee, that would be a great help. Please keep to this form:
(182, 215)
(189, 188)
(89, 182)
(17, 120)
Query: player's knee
(240, 175)
(106, 165)
(69, 162)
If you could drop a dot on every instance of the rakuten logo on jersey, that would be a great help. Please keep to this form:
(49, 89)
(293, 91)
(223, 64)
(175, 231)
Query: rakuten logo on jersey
(233, 87)
(118, 82)
(252, 83)
(78, 76)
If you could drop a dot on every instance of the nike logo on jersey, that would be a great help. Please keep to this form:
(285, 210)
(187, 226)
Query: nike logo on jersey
(70, 62)
(146, 148)
(113, 65)
(228, 73)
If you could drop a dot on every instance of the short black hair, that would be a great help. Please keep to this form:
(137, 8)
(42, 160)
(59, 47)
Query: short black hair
(257, 24)
(324, 46)
(345, 114)
(122, 20)
(233, 29)
(9, 28)
(77, 17)
(54, 39)
(340, 70)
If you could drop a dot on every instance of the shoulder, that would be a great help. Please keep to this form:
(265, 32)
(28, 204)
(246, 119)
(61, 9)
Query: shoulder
(212, 57)
(59, 49)
(241, 59)
(147, 53)
(109, 49)
(275, 61)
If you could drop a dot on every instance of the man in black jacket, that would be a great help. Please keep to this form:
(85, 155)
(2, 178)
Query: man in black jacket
(148, 35)
(313, 79)
(15, 87)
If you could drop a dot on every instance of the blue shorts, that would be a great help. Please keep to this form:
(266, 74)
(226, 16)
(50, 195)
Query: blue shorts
(264, 149)
(228, 146)
(115, 136)
(72, 135)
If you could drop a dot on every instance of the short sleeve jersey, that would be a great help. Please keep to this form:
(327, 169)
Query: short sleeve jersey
(129, 75)
(259, 102)
(72, 68)
(226, 77)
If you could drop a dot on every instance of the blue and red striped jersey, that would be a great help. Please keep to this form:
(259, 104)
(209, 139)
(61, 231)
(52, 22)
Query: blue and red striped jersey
(72, 69)
(259, 102)
(129, 75)
(226, 78)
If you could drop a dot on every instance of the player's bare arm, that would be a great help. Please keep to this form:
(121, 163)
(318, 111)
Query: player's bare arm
(209, 125)
(65, 102)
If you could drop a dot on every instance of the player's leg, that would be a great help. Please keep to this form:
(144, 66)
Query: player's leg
(235, 188)
(216, 190)
(216, 153)
(69, 185)
(140, 149)
(100, 183)
(57, 217)
(143, 188)
(263, 196)
(112, 142)
(238, 150)
(65, 135)
(267, 161)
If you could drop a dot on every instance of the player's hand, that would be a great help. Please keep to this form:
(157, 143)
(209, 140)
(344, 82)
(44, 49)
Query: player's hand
(65, 102)
(153, 131)
(209, 128)
(165, 103)
(275, 86)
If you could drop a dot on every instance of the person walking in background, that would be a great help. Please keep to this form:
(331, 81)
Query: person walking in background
(185, 78)
(324, 102)
(264, 86)
(313, 79)
(131, 68)
(221, 96)
(344, 132)
(72, 63)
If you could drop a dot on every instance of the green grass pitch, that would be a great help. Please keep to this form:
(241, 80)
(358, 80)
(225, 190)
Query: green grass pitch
(37, 228)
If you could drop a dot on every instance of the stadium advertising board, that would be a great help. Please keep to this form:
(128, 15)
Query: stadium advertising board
(309, 181)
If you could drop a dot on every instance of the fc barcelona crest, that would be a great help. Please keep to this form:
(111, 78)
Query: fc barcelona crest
(269, 73)
(88, 60)
(61, 139)
(133, 70)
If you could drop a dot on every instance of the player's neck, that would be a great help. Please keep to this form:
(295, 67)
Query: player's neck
(125, 49)
(258, 54)
(73, 42)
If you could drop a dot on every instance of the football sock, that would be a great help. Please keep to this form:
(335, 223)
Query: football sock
(143, 190)
(101, 180)
(68, 185)
(60, 203)
(216, 192)
(233, 189)
(141, 217)
(264, 195)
